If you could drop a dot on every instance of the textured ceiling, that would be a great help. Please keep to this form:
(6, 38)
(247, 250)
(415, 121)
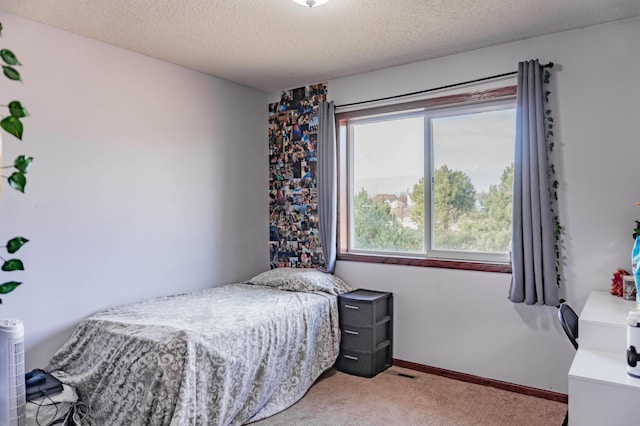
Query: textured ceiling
(276, 44)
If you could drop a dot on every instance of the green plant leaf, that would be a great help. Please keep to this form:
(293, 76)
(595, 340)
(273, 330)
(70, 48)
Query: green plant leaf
(8, 57)
(23, 163)
(14, 244)
(11, 73)
(13, 265)
(12, 125)
(0, 28)
(17, 110)
(17, 181)
(8, 287)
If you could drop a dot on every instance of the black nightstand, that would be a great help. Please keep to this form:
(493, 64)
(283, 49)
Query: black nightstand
(366, 327)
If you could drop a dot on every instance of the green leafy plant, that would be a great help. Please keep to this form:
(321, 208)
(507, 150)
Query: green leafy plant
(550, 138)
(17, 180)
(636, 230)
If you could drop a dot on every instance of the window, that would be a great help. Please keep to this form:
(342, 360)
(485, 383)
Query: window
(429, 182)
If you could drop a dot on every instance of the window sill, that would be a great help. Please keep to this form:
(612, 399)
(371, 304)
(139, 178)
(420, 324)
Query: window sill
(429, 263)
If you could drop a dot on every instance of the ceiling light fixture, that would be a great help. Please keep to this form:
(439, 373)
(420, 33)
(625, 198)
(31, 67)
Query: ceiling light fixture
(310, 3)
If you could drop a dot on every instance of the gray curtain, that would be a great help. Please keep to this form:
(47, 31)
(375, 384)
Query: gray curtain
(533, 243)
(327, 183)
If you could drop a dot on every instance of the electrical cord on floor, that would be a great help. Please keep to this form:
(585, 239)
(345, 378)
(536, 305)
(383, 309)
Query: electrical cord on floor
(42, 404)
(78, 413)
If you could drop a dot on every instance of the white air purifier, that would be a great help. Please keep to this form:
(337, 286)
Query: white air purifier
(12, 387)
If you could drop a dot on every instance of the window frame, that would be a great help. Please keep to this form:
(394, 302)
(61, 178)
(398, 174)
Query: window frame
(462, 100)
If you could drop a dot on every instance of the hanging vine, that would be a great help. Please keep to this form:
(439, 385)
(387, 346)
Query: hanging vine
(12, 124)
(550, 138)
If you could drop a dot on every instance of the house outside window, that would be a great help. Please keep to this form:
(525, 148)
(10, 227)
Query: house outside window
(429, 182)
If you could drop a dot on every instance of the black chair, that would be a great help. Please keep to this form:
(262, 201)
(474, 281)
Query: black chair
(569, 321)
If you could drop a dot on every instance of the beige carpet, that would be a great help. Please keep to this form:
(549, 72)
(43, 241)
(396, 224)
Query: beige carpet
(339, 399)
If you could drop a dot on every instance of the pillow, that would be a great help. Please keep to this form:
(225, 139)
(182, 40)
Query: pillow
(304, 280)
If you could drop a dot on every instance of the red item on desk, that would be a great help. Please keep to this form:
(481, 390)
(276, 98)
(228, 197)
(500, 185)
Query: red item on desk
(616, 282)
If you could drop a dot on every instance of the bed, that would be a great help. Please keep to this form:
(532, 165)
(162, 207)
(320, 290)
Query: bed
(228, 355)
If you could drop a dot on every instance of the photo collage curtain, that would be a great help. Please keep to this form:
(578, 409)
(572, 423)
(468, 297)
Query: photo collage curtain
(293, 190)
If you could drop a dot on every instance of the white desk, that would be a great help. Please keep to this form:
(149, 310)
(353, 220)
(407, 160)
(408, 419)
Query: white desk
(602, 325)
(600, 391)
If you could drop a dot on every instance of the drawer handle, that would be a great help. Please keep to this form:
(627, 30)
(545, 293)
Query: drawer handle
(352, 307)
(355, 333)
(351, 357)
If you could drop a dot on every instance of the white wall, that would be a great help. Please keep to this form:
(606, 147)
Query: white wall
(462, 320)
(149, 179)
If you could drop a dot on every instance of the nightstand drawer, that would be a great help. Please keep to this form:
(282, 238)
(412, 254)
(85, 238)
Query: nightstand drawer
(363, 307)
(365, 364)
(356, 313)
(362, 339)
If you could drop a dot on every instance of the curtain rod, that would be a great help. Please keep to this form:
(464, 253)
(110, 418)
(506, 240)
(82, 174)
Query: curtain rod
(549, 65)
